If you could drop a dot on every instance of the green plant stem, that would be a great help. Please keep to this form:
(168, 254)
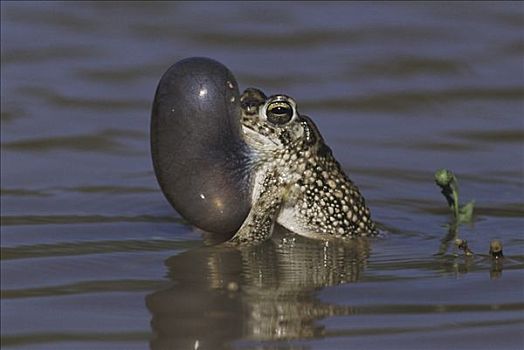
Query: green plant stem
(454, 193)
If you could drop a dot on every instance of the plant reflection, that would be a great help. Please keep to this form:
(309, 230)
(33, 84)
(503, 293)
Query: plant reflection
(265, 292)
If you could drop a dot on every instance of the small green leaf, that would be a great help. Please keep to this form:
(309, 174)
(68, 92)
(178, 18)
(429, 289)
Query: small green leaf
(466, 213)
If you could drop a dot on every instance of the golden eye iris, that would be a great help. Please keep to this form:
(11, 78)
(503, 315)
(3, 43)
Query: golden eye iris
(279, 112)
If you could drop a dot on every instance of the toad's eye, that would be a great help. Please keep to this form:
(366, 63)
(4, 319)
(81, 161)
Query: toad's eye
(279, 112)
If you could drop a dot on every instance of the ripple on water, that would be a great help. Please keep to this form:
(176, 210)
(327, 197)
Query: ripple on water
(106, 141)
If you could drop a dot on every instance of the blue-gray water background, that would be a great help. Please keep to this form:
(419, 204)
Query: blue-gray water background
(93, 257)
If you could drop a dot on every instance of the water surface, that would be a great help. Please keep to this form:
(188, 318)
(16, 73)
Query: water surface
(94, 257)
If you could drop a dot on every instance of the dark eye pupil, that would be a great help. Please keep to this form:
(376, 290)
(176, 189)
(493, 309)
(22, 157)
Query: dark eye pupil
(279, 110)
(279, 114)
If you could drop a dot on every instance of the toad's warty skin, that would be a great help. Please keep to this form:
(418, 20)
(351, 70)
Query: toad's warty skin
(297, 181)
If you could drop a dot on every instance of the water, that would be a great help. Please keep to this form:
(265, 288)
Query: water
(94, 257)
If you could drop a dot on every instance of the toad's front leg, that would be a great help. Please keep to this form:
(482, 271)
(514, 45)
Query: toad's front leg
(260, 222)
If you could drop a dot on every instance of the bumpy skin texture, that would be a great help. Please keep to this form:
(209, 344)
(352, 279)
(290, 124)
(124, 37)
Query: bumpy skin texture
(297, 181)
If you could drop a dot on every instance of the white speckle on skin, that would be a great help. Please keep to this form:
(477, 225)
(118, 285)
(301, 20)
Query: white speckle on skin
(202, 92)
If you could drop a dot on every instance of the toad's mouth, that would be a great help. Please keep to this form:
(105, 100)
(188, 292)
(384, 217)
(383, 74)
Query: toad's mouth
(257, 136)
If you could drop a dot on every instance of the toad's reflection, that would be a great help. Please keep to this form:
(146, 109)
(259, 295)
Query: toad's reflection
(264, 292)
